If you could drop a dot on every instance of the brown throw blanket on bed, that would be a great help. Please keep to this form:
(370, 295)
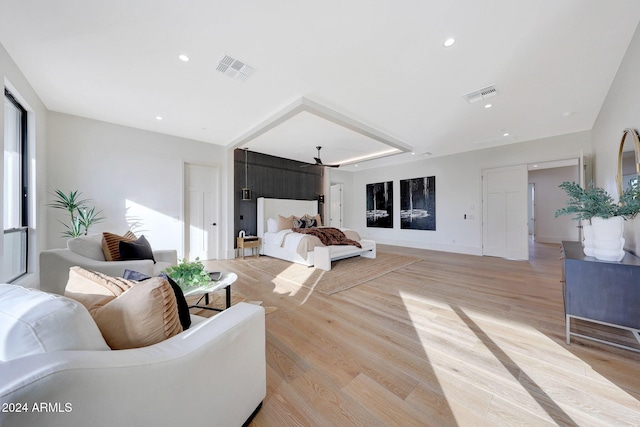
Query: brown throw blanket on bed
(328, 236)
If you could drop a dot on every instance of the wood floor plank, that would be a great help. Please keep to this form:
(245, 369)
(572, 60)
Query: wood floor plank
(339, 408)
(504, 413)
(451, 340)
(389, 408)
(447, 401)
(281, 406)
(288, 364)
(361, 357)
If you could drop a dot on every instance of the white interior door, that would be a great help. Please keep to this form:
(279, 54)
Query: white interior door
(335, 211)
(505, 224)
(201, 206)
(532, 210)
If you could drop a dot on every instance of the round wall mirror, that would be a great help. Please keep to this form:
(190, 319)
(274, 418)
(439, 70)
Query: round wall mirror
(628, 160)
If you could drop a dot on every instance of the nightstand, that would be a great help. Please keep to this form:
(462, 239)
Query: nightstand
(246, 242)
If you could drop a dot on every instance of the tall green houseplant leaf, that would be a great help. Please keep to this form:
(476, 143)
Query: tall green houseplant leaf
(81, 216)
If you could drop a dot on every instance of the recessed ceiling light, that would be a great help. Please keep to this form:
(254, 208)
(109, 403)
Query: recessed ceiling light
(183, 57)
(505, 134)
(535, 166)
(413, 153)
(158, 118)
(568, 113)
(488, 106)
(449, 42)
(356, 165)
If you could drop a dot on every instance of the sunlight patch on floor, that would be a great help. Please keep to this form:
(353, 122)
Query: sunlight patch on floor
(301, 276)
(541, 392)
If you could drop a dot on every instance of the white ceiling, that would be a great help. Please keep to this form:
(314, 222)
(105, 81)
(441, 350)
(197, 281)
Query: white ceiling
(375, 68)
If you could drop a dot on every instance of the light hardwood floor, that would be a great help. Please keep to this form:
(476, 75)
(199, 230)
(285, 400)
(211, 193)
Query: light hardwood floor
(450, 340)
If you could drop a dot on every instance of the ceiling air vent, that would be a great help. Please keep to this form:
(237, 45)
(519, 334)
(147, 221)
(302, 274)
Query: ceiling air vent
(479, 95)
(234, 68)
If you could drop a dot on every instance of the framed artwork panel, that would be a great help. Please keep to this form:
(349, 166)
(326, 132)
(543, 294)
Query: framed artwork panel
(418, 203)
(380, 204)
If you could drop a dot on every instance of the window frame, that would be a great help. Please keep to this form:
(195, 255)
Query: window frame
(24, 181)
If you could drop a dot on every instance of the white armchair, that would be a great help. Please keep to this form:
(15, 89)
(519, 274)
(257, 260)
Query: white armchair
(86, 252)
(213, 374)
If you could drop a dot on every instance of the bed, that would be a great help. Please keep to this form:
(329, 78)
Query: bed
(287, 245)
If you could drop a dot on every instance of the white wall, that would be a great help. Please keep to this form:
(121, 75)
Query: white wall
(133, 175)
(458, 191)
(16, 82)
(548, 199)
(620, 110)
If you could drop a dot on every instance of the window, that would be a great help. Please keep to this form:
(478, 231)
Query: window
(15, 217)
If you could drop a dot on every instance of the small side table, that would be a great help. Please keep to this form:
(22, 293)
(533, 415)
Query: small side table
(225, 282)
(247, 242)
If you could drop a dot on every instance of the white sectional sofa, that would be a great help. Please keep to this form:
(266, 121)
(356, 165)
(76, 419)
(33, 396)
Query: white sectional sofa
(57, 372)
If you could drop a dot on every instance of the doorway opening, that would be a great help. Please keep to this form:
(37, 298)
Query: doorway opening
(545, 197)
(519, 204)
(531, 200)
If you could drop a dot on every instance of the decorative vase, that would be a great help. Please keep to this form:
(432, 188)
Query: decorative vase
(608, 242)
(587, 243)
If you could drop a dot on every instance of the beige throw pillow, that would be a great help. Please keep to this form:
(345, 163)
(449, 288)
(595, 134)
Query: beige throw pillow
(129, 314)
(144, 315)
(110, 244)
(285, 223)
(92, 288)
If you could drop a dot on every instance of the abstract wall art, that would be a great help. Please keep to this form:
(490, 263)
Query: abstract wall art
(380, 204)
(418, 203)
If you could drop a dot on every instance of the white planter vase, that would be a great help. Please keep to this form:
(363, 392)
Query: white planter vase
(587, 243)
(608, 242)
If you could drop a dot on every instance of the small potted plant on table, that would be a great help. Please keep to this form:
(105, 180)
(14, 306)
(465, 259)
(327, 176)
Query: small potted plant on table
(189, 274)
(603, 234)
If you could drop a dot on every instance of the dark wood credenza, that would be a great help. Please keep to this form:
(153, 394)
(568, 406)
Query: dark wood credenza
(603, 292)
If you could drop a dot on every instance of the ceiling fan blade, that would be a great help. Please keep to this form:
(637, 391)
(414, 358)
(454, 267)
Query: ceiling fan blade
(319, 161)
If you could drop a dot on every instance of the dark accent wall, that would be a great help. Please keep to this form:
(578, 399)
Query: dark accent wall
(271, 177)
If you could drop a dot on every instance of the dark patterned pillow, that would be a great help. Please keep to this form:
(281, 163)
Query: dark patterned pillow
(299, 222)
(310, 221)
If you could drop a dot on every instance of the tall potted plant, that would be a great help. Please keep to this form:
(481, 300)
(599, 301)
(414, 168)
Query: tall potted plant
(81, 216)
(603, 236)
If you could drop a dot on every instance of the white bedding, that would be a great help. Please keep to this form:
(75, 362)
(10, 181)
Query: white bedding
(302, 248)
(299, 243)
(288, 240)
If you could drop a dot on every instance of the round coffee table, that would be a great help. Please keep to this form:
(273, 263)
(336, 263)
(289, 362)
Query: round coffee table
(225, 282)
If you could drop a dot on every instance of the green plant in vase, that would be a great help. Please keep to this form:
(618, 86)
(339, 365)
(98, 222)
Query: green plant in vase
(189, 273)
(595, 202)
(604, 227)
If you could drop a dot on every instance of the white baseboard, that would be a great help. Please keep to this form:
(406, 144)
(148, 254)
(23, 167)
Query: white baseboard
(553, 239)
(459, 249)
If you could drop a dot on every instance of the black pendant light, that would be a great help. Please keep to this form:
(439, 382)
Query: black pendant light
(246, 192)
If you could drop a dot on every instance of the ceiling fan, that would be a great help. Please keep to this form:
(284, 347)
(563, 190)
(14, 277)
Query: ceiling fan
(319, 161)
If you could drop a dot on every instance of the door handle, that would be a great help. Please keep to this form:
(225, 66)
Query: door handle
(214, 223)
